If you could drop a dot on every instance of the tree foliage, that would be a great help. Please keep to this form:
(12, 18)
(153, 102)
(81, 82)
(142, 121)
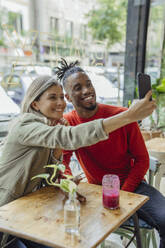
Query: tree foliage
(107, 21)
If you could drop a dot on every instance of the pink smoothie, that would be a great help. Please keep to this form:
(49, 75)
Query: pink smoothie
(111, 199)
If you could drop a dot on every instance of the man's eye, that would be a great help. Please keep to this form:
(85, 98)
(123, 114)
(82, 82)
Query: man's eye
(89, 85)
(77, 88)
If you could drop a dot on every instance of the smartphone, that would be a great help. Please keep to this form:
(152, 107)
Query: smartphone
(144, 84)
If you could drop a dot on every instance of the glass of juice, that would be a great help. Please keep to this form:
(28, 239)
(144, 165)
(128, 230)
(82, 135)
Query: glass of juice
(111, 191)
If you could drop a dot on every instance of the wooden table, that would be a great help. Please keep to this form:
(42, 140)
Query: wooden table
(39, 217)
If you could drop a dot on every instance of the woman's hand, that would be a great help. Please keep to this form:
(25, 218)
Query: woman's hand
(61, 121)
(77, 179)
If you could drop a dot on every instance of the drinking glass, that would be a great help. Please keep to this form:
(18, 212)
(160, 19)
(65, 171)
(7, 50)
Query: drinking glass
(110, 191)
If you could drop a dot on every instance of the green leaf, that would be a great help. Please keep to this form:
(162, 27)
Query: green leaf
(61, 167)
(163, 81)
(51, 166)
(129, 103)
(45, 176)
(161, 88)
(68, 185)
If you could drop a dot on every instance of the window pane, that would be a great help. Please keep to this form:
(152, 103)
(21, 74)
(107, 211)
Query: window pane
(155, 38)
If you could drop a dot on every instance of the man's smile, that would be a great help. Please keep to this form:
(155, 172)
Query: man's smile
(88, 98)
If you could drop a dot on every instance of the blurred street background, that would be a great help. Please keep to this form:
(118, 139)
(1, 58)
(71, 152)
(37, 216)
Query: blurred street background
(113, 40)
(35, 34)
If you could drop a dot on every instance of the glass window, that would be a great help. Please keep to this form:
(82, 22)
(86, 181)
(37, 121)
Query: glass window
(54, 24)
(155, 62)
(69, 29)
(83, 32)
(154, 39)
(15, 19)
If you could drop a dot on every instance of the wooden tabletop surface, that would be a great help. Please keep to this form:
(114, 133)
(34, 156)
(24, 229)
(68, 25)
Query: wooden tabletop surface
(39, 217)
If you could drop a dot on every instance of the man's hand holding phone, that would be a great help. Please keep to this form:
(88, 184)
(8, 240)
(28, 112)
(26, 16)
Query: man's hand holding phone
(143, 107)
(144, 85)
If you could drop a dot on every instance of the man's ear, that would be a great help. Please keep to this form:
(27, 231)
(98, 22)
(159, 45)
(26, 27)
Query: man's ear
(35, 106)
(68, 98)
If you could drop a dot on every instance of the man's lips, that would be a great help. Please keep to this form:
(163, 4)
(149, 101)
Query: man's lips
(88, 98)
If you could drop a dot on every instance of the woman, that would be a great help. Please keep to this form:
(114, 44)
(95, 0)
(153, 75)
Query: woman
(37, 136)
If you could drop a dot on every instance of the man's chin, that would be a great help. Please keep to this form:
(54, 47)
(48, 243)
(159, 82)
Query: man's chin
(91, 107)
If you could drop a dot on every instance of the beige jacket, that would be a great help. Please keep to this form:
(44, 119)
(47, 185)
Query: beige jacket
(27, 150)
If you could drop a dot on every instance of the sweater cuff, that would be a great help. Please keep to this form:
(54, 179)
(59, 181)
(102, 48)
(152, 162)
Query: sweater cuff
(100, 130)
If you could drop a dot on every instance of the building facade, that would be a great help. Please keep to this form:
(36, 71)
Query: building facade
(42, 31)
(62, 30)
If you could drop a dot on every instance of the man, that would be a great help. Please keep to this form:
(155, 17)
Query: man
(123, 154)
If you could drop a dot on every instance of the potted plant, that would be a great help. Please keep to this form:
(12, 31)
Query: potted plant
(67, 183)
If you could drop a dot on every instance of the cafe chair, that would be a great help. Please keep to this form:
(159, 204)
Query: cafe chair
(147, 232)
(161, 157)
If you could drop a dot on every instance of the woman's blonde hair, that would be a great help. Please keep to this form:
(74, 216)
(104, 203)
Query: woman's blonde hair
(35, 90)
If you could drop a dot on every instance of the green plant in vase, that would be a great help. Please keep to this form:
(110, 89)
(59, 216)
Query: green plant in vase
(67, 185)
(58, 178)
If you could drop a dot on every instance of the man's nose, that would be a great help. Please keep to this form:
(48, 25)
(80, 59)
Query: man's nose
(85, 90)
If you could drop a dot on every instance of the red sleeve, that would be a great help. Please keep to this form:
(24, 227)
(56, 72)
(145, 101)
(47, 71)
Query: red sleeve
(66, 160)
(139, 152)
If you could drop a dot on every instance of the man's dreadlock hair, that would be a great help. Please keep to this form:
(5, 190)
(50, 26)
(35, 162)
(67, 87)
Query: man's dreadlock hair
(65, 70)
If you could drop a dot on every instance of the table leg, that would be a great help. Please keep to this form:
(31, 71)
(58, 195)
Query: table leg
(137, 230)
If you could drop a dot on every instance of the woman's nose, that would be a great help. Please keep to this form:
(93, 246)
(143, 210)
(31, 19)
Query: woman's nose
(60, 101)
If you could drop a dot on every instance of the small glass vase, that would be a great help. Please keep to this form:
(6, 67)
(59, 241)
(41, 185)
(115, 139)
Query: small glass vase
(72, 214)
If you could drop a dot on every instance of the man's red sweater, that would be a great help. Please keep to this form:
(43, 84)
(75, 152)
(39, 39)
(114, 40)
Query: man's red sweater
(123, 154)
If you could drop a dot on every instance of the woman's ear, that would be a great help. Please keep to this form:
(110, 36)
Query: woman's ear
(35, 106)
(68, 98)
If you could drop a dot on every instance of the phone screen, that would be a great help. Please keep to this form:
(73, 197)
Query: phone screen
(144, 84)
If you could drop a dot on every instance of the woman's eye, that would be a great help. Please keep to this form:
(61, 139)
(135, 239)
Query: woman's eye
(53, 98)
